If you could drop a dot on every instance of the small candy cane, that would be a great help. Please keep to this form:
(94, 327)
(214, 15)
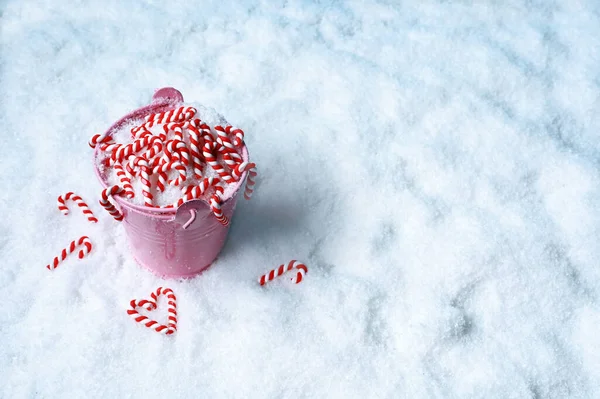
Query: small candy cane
(195, 151)
(223, 139)
(124, 179)
(207, 152)
(85, 241)
(175, 128)
(80, 203)
(146, 185)
(232, 159)
(293, 264)
(237, 174)
(196, 191)
(215, 206)
(99, 139)
(152, 304)
(110, 208)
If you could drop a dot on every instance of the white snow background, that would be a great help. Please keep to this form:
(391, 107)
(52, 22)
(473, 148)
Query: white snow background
(435, 164)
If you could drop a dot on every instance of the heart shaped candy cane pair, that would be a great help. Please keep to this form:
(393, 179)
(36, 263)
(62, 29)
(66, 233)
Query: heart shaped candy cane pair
(152, 304)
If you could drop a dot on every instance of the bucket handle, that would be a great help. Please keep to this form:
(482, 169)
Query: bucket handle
(191, 219)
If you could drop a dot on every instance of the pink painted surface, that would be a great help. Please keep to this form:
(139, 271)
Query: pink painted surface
(168, 242)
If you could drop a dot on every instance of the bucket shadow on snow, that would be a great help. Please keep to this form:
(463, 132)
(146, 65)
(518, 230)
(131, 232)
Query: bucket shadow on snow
(262, 222)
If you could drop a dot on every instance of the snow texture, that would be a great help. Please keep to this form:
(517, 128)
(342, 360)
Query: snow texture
(435, 164)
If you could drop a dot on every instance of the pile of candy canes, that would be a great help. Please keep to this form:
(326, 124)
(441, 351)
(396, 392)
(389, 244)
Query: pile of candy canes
(204, 160)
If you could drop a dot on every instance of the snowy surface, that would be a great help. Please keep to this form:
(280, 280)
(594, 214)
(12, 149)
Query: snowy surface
(435, 166)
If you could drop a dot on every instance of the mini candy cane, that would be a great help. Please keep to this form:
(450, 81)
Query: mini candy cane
(110, 208)
(85, 241)
(206, 134)
(215, 206)
(80, 203)
(238, 134)
(207, 151)
(176, 128)
(124, 179)
(293, 264)
(152, 304)
(237, 174)
(146, 185)
(195, 152)
(99, 139)
(196, 191)
(174, 115)
(232, 159)
(223, 139)
(172, 149)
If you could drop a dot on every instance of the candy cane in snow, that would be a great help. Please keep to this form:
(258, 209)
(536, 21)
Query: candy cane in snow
(80, 203)
(87, 248)
(293, 264)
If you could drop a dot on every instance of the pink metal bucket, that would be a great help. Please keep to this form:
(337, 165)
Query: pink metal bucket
(178, 242)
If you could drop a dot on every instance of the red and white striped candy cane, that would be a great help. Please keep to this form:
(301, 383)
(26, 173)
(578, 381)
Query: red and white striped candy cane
(125, 180)
(174, 115)
(105, 201)
(206, 134)
(99, 139)
(232, 159)
(145, 171)
(123, 151)
(80, 203)
(152, 304)
(215, 205)
(182, 174)
(293, 264)
(196, 191)
(161, 171)
(237, 174)
(223, 139)
(195, 151)
(84, 240)
(175, 128)
(207, 152)
(171, 150)
(238, 135)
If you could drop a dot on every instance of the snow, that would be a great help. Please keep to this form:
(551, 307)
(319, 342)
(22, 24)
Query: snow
(435, 164)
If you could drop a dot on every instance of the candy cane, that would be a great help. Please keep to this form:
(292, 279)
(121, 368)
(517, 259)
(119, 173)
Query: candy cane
(110, 208)
(223, 139)
(146, 185)
(232, 159)
(171, 326)
(124, 179)
(215, 206)
(206, 134)
(195, 151)
(237, 174)
(80, 203)
(238, 134)
(176, 128)
(182, 174)
(174, 115)
(99, 139)
(293, 264)
(85, 241)
(196, 191)
(207, 152)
